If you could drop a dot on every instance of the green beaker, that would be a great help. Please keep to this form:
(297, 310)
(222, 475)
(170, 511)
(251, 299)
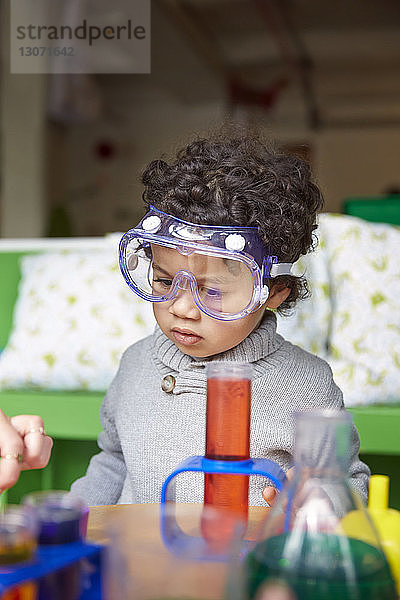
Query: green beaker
(302, 543)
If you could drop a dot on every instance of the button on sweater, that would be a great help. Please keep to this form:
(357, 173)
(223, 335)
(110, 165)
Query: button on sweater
(150, 427)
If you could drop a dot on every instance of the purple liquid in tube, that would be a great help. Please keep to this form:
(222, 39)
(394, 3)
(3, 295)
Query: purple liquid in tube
(60, 519)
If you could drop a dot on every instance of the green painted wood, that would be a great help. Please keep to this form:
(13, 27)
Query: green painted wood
(3, 500)
(379, 428)
(385, 464)
(10, 273)
(69, 461)
(75, 416)
(67, 415)
(382, 209)
(72, 418)
(47, 479)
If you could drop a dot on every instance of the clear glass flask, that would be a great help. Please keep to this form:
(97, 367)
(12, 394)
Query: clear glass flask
(303, 544)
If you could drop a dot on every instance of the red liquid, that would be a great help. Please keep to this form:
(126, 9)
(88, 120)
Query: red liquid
(26, 591)
(12, 554)
(227, 438)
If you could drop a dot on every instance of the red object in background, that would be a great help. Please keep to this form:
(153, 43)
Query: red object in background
(104, 150)
(227, 438)
(242, 94)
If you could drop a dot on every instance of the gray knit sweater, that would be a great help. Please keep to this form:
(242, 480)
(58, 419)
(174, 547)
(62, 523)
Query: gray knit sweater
(147, 432)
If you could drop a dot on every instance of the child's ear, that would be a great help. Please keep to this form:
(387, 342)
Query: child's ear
(277, 295)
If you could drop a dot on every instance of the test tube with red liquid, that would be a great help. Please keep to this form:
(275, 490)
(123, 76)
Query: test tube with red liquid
(227, 439)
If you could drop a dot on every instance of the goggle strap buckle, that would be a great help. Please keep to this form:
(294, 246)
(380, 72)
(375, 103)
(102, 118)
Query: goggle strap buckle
(281, 269)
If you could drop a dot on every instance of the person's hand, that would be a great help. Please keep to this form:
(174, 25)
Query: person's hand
(270, 493)
(275, 591)
(23, 445)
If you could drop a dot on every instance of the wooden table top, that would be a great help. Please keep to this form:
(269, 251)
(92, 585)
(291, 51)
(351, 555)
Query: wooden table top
(141, 567)
(146, 519)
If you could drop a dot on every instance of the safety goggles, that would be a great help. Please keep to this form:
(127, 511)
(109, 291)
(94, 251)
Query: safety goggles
(226, 269)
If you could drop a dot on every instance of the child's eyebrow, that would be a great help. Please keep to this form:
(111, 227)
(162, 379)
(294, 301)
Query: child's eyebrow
(163, 271)
(217, 279)
(212, 279)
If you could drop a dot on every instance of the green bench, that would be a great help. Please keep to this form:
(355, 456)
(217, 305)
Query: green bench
(385, 209)
(72, 418)
(379, 426)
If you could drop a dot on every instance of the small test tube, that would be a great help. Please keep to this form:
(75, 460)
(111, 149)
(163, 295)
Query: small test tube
(61, 519)
(227, 439)
(18, 542)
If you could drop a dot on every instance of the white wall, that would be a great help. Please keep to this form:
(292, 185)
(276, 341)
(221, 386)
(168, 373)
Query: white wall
(357, 163)
(23, 154)
(145, 116)
(106, 195)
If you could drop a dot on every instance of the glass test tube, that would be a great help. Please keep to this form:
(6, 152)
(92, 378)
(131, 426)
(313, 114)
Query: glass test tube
(18, 531)
(60, 516)
(228, 439)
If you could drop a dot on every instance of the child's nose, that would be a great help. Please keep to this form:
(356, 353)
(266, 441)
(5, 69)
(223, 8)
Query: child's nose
(183, 305)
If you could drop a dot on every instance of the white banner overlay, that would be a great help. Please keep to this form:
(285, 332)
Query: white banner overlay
(80, 36)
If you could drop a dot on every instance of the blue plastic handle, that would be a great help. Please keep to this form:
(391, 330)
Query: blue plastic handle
(175, 539)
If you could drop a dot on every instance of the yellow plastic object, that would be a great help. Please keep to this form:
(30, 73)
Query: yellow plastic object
(385, 519)
(387, 522)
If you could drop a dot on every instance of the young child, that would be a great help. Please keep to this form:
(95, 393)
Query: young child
(225, 221)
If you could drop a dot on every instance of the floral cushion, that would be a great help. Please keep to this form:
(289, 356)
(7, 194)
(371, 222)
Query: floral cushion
(75, 315)
(353, 317)
(364, 344)
(308, 324)
(73, 319)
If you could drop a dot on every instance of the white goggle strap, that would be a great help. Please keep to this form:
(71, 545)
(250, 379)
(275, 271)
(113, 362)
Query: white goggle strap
(280, 269)
(264, 294)
(276, 269)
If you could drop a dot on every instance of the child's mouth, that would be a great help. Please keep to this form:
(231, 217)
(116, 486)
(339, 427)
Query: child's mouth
(187, 338)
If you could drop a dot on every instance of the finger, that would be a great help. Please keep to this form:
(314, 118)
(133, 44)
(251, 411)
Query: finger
(37, 445)
(39, 456)
(275, 591)
(269, 494)
(11, 451)
(26, 423)
(290, 473)
(34, 443)
(4, 420)
(10, 465)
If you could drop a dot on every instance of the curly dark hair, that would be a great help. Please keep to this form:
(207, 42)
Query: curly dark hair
(242, 181)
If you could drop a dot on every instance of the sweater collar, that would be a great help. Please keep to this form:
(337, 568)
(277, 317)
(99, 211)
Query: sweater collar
(260, 343)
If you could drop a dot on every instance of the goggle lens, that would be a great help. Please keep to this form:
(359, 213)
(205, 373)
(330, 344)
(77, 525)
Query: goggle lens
(219, 285)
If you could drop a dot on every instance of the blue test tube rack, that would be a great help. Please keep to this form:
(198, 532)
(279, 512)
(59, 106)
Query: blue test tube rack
(174, 538)
(49, 559)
